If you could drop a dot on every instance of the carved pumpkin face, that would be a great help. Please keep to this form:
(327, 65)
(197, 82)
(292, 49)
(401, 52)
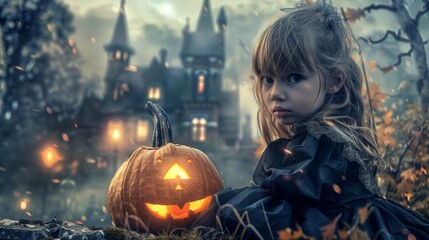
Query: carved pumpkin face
(178, 176)
(160, 188)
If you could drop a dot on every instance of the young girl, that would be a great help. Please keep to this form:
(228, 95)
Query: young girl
(321, 157)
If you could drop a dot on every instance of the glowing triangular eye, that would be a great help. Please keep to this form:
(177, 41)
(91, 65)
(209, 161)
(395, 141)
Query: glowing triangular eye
(176, 172)
(178, 187)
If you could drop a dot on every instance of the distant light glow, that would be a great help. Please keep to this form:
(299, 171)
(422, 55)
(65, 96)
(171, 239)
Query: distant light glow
(8, 115)
(166, 9)
(23, 204)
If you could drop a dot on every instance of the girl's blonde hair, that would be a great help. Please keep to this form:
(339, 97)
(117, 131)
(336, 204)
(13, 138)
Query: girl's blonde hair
(318, 41)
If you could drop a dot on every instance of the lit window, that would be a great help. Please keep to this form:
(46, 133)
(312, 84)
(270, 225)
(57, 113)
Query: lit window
(118, 55)
(115, 130)
(125, 56)
(142, 130)
(199, 129)
(154, 93)
(157, 93)
(201, 80)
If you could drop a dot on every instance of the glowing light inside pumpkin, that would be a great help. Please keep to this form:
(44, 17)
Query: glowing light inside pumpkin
(176, 172)
(162, 211)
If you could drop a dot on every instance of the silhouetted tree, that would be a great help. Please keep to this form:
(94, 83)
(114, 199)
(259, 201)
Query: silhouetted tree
(41, 79)
(411, 27)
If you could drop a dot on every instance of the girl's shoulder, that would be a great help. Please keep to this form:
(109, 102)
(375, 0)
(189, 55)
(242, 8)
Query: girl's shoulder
(324, 133)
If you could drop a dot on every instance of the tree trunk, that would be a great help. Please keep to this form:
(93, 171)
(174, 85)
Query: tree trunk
(410, 27)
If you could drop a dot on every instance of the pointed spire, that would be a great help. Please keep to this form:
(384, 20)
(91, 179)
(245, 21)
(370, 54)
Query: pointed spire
(205, 22)
(120, 33)
(186, 28)
(221, 19)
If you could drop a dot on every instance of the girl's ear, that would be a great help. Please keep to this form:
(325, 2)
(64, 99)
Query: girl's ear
(337, 83)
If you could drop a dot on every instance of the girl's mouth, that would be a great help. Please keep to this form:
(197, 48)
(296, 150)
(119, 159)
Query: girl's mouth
(282, 113)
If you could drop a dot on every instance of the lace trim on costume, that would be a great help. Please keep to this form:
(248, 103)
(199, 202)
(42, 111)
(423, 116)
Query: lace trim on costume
(316, 129)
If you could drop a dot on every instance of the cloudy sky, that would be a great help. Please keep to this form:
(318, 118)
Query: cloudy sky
(156, 24)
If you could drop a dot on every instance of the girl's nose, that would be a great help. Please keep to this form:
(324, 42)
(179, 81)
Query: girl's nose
(277, 93)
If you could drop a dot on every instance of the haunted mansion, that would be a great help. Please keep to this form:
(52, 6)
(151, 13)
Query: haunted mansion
(202, 112)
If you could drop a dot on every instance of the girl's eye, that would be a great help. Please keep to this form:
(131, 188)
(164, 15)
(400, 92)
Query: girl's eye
(294, 78)
(267, 81)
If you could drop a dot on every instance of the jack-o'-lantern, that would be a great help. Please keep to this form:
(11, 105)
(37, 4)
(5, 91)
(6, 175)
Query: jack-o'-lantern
(162, 187)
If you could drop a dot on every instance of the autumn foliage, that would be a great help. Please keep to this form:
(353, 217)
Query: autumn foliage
(403, 130)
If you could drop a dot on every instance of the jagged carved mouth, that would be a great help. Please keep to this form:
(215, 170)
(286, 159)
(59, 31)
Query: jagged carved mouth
(176, 212)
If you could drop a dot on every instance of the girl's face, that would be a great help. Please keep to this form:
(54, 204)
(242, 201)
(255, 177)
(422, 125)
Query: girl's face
(294, 97)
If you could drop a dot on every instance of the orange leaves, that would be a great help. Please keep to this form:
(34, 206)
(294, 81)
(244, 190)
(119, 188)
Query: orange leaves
(387, 117)
(358, 234)
(288, 234)
(331, 231)
(363, 213)
(353, 14)
(384, 119)
(408, 175)
(376, 95)
(328, 231)
(372, 65)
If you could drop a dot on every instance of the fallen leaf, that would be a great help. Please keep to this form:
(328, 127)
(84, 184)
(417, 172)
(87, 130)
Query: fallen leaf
(404, 187)
(353, 14)
(408, 175)
(363, 213)
(403, 84)
(288, 234)
(328, 231)
(359, 234)
(372, 65)
(343, 234)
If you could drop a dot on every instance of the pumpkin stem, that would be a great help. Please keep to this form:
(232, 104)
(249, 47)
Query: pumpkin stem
(162, 133)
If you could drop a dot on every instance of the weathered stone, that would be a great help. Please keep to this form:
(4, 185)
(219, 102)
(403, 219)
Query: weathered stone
(27, 229)
(10, 229)
(72, 231)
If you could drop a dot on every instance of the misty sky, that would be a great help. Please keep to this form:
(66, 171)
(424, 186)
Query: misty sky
(156, 24)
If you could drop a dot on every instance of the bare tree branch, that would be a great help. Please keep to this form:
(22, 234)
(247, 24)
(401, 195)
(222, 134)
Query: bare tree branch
(401, 158)
(397, 36)
(400, 56)
(379, 7)
(422, 12)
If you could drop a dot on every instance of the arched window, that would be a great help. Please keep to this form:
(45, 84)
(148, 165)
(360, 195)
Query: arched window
(199, 129)
(118, 55)
(201, 80)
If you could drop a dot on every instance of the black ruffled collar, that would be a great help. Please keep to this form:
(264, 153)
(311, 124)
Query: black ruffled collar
(317, 129)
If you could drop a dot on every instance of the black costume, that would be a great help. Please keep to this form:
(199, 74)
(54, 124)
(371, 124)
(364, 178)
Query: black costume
(309, 180)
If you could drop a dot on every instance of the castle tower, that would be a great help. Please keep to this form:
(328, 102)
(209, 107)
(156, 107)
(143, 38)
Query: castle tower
(119, 53)
(203, 56)
(203, 60)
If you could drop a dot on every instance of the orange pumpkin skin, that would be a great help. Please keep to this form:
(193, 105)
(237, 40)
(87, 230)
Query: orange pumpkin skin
(146, 178)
